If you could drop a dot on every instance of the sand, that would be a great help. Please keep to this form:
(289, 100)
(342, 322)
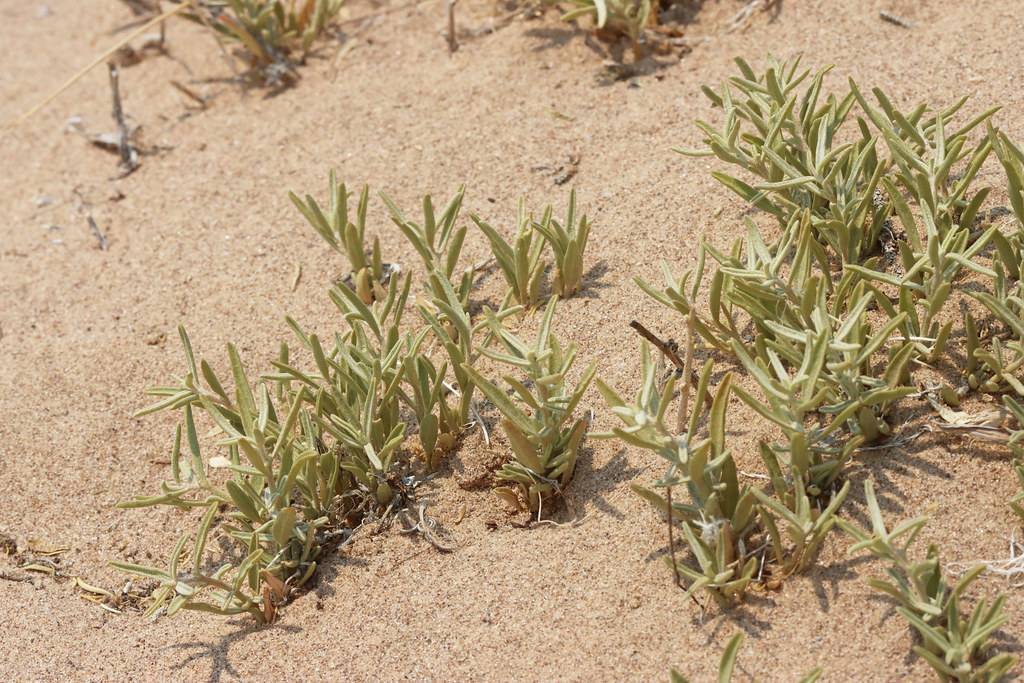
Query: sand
(203, 234)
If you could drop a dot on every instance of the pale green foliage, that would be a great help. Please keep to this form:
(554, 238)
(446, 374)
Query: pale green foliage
(628, 17)
(346, 237)
(279, 495)
(521, 261)
(292, 485)
(719, 518)
(848, 192)
(539, 419)
(955, 645)
(1016, 441)
(356, 388)
(269, 30)
(568, 241)
(821, 318)
(438, 240)
(996, 367)
(453, 329)
(786, 138)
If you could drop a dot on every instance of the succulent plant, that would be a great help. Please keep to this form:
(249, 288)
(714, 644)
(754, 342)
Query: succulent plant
(955, 644)
(368, 274)
(539, 419)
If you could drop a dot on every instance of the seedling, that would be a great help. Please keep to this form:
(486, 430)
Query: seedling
(956, 646)
(355, 391)
(568, 241)
(521, 261)
(540, 424)
(368, 273)
(448, 320)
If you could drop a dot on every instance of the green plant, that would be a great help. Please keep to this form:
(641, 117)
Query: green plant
(955, 645)
(626, 17)
(438, 241)
(270, 31)
(520, 262)
(787, 139)
(568, 241)
(367, 272)
(354, 394)
(923, 155)
(1016, 444)
(438, 422)
(279, 497)
(719, 520)
(447, 318)
(543, 433)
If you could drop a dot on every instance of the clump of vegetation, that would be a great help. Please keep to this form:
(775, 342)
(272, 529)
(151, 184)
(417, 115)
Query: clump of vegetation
(273, 34)
(279, 494)
(521, 261)
(956, 644)
(540, 425)
(719, 520)
(310, 453)
(568, 241)
(368, 274)
(879, 227)
(616, 17)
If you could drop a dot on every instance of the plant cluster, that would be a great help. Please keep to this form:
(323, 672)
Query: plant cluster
(955, 643)
(522, 261)
(878, 228)
(545, 438)
(271, 32)
(320, 442)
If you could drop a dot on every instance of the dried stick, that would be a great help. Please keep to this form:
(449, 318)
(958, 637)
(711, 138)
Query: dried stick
(100, 59)
(669, 352)
(895, 19)
(453, 43)
(128, 161)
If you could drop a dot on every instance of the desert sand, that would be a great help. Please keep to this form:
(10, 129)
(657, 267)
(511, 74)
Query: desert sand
(203, 234)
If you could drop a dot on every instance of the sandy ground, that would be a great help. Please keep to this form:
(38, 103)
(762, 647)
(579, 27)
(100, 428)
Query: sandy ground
(203, 234)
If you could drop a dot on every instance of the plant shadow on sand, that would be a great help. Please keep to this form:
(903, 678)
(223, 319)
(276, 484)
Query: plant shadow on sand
(219, 651)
